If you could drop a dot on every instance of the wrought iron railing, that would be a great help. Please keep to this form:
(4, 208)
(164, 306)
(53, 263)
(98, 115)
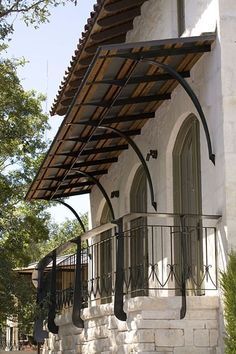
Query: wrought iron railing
(100, 283)
(65, 279)
(162, 265)
(143, 255)
(157, 256)
(65, 274)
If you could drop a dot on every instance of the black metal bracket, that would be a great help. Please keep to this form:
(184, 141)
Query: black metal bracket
(77, 297)
(193, 98)
(52, 327)
(119, 282)
(104, 193)
(140, 156)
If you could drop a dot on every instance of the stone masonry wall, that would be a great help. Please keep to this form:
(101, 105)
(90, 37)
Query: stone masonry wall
(153, 326)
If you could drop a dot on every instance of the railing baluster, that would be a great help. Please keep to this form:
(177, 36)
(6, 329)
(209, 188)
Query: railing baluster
(152, 263)
(162, 257)
(216, 257)
(171, 252)
(184, 265)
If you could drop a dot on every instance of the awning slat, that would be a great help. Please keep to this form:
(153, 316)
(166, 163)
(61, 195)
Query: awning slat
(86, 163)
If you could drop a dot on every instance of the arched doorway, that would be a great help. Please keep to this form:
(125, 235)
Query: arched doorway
(188, 203)
(138, 235)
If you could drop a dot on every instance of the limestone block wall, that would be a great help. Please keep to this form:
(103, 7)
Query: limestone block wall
(152, 326)
(227, 26)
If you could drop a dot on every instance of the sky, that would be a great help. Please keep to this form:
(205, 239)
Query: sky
(48, 51)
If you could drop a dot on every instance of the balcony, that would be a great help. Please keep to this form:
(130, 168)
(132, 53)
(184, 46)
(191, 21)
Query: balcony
(140, 255)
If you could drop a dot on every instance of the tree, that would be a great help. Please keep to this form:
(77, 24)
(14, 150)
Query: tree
(32, 12)
(22, 225)
(22, 129)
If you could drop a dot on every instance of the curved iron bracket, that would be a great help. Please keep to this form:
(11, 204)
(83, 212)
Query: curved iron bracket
(141, 158)
(52, 327)
(73, 211)
(193, 98)
(85, 174)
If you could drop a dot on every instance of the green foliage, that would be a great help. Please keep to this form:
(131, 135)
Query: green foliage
(17, 296)
(22, 225)
(32, 12)
(228, 284)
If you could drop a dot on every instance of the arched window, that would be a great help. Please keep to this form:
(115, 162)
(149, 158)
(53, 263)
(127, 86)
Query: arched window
(138, 235)
(187, 201)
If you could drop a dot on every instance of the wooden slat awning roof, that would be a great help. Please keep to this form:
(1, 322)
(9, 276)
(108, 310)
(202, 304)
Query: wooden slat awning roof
(121, 89)
(108, 23)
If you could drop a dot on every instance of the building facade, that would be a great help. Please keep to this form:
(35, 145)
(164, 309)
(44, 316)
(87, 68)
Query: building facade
(150, 133)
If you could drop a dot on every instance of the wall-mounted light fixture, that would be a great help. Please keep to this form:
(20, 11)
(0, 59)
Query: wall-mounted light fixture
(151, 153)
(115, 194)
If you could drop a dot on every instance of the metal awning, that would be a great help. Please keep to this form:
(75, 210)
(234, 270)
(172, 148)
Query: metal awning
(122, 89)
(108, 23)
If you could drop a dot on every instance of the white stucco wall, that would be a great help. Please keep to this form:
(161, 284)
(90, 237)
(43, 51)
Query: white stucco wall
(227, 28)
(158, 20)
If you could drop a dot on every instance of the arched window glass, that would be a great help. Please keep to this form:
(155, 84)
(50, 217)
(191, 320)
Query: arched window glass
(187, 202)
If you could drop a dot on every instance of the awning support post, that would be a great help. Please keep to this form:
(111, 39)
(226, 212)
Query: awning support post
(52, 327)
(119, 282)
(77, 297)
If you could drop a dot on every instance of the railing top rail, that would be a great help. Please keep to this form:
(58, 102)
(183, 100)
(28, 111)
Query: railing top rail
(131, 216)
(97, 230)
